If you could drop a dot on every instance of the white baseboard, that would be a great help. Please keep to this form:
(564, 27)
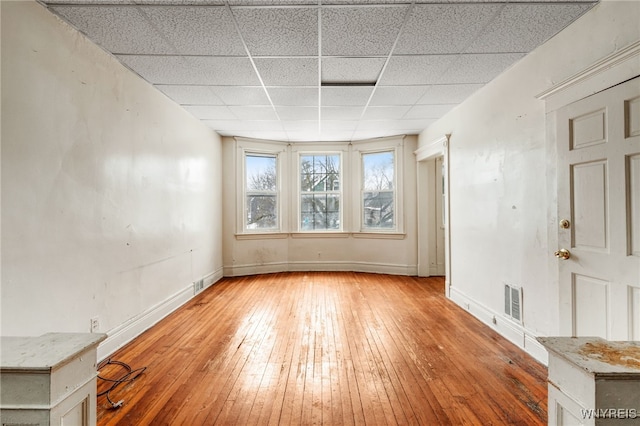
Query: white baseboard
(509, 329)
(266, 268)
(126, 332)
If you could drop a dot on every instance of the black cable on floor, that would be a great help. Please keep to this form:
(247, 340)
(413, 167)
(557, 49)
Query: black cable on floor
(130, 375)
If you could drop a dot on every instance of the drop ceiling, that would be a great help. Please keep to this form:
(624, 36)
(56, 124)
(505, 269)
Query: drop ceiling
(303, 70)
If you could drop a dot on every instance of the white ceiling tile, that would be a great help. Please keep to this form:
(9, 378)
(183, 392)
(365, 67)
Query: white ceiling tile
(119, 29)
(351, 70)
(407, 70)
(239, 95)
(197, 30)
(345, 96)
(206, 112)
(342, 113)
(300, 126)
(254, 112)
(523, 27)
(269, 135)
(397, 95)
(288, 71)
(335, 125)
(246, 125)
(293, 96)
(191, 95)
(447, 93)
(287, 31)
(199, 70)
(480, 68)
(335, 135)
(360, 31)
(385, 112)
(444, 28)
(428, 111)
(297, 113)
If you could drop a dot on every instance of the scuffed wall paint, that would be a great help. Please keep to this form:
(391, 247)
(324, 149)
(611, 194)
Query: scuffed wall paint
(110, 191)
(503, 170)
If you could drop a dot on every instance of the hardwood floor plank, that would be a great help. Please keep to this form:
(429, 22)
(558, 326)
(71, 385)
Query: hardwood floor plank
(325, 348)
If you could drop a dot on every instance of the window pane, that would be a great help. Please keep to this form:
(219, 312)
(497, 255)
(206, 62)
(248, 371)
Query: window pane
(320, 196)
(261, 173)
(378, 210)
(378, 171)
(262, 211)
(261, 192)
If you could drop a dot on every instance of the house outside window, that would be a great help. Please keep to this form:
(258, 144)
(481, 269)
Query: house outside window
(320, 192)
(261, 192)
(378, 190)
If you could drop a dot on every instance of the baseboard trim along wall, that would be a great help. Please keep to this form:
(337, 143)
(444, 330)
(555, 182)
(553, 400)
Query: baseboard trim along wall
(267, 268)
(506, 327)
(126, 332)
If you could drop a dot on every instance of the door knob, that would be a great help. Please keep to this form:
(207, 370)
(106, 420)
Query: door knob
(563, 254)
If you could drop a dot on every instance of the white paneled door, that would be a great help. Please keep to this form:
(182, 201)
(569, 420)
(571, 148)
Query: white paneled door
(599, 214)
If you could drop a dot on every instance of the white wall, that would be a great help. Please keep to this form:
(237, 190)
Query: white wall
(348, 251)
(503, 176)
(110, 191)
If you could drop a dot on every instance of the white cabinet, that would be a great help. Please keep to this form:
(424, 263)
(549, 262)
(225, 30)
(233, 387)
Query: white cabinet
(49, 380)
(593, 381)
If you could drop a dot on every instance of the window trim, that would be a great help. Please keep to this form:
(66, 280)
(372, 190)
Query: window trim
(319, 152)
(267, 149)
(394, 144)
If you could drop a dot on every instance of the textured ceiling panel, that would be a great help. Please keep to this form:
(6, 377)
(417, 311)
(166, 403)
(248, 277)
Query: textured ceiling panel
(254, 112)
(197, 30)
(294, 96)
(351, 70)
(298, 113)
(345, 96)
(238, 95)
(360, 31)
(426, 69)
(279, 31)
(288, 71)
(448, 93)
(251, 67)
(203, 70)
(444, 28)
(191, 95)
(522, 27)
(342, 113)
(397, 95)
(478, 68)
(118, 29)
(385, 112)
(335, 125)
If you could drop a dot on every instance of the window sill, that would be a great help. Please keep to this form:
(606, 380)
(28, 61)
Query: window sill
(380, 235)
(321, 234)
(262, 236)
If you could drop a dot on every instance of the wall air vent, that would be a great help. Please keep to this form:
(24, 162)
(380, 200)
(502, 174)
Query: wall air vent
(513, 302)
(198, 286)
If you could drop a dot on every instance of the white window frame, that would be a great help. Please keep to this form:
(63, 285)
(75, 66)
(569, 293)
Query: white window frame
(392, 144)
(244, 148)
(303, 149)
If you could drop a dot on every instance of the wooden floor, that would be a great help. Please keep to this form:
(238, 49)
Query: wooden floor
(325, 348)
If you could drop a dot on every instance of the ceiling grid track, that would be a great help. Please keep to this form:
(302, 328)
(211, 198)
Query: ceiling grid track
(318, 70)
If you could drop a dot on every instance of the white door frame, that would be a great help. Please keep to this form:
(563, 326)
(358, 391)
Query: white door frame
(437, 148)
(609, 71)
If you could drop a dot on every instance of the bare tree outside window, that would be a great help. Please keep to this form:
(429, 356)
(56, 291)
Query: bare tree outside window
(378, 196)
(261, 192)
(320, 195)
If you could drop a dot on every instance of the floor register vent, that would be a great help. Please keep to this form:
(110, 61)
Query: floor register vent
(513, 302)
